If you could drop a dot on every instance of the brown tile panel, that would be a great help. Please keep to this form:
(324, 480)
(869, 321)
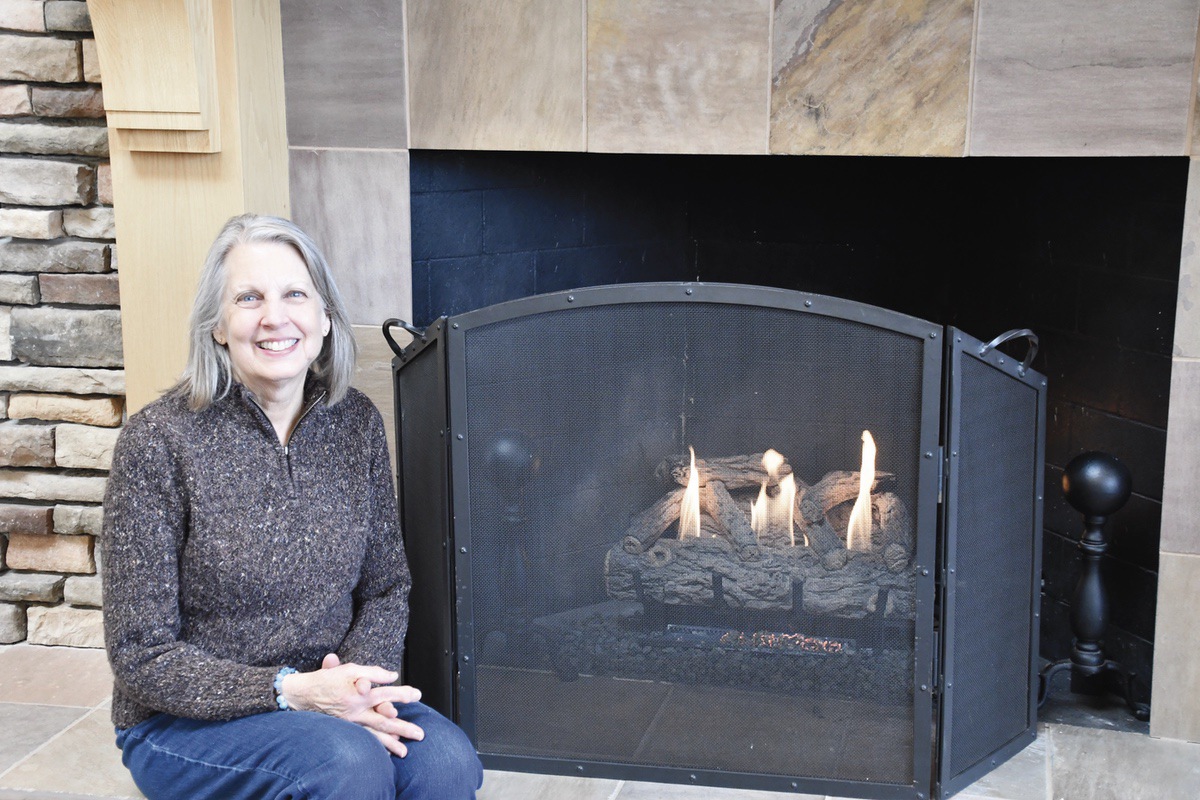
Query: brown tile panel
(343, 67)
(1115, 765)
(496, 76)
(678, 76)
(355, 204)
(1187, 309)
(1175, 707)
(63, 676)
(1054, 77)
(871, 78)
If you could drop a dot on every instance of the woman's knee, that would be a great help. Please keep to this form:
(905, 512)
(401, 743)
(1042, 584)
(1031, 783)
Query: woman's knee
(346, 760)
(443, 765)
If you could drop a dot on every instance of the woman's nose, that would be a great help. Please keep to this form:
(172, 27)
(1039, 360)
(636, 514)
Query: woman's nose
(273, 312)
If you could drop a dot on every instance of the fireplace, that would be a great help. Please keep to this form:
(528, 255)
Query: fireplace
(723, 534)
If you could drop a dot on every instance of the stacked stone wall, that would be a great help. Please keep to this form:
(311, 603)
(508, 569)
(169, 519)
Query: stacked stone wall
(61, 376)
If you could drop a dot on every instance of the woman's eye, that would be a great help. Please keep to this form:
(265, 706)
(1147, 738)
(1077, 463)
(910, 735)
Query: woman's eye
(298, 294)
(247, 298)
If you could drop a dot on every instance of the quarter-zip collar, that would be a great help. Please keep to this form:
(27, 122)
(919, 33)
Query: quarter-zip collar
(314, 393)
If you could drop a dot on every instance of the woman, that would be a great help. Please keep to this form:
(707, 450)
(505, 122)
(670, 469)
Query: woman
(255, 593)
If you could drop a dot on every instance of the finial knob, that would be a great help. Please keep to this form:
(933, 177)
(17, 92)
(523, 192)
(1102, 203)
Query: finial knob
(1096, 484)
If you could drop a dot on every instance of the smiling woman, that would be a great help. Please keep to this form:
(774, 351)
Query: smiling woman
(253, 557)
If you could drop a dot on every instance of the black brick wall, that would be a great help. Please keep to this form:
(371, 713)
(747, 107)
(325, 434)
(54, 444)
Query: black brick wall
(1084, 251)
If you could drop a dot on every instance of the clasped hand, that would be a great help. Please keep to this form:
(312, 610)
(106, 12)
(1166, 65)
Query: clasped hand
(357, 694)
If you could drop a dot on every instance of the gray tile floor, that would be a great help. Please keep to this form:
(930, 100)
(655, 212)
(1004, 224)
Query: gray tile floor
(56, 743)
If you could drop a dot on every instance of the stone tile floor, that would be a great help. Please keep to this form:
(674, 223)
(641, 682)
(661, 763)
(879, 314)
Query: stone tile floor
(56, 743)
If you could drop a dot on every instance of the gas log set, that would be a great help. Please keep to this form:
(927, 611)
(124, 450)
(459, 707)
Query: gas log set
(744, 532)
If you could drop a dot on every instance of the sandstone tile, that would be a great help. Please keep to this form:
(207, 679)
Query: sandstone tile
(1181, 504)
(28, 727)
(19, 290)
(39, 58)
(355, 204)
(496, 76)
(41, 182)
(1022, 776)
(91, 62)
(373, 375)
(871, 78)
(82, 761)
(635, 790)
(53, 257)
(14, 100)
(12, 618)
(37, 484)
(31, 223)
(66, 626)
(31, 587)
(90, 223)
(22, 15)
(53, 553)
(26, 519)
(60, 676)
(101, 411)
(84, 446)
(42, 139)
(1114, 765)
(87, 102)
(62, 380)
(1187, 308)
(80, 290)
(1176, 699)
(498, 785)
(68, 15)
(1053, 79)
(78, 519)
(67, 337)
(23, 445)
(84, 590)
(678, 76)
(344, 74)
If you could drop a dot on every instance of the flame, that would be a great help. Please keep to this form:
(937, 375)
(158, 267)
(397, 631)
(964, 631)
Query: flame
(858, 533)
(689, 509)
(778, 512)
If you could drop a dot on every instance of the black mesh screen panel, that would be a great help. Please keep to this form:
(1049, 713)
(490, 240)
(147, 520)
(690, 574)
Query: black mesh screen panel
(998, 476)
(775, 659)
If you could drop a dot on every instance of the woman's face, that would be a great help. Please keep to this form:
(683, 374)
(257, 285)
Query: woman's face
(274, 322)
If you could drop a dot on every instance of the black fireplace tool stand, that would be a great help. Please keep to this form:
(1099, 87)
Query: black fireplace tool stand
(1097, 485)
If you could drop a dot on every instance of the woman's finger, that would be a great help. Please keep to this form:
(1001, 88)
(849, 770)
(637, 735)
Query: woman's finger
(393, 745)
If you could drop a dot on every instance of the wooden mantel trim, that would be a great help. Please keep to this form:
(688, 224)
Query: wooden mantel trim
(193, 92)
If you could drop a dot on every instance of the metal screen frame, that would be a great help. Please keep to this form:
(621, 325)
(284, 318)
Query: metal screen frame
(926, 514)
(959, 533)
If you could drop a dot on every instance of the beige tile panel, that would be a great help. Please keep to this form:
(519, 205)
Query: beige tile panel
(83, 760)
(496, 76)
(373, 377)
(1077, 77)
(874, 77)
(1092, 764)
(634, 790)
(520, 786)
(63, 676)
(1175, 705)
(678, 76)
(1022, 777)
(1187, 308)
(355, 204)
(1181, 502)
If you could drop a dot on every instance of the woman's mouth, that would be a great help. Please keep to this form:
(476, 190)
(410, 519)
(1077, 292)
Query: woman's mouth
(275, 345)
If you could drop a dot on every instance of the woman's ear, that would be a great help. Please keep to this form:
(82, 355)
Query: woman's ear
(219, 336)
(326, 324)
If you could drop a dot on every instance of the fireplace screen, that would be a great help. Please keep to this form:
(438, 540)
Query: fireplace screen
(691, 533)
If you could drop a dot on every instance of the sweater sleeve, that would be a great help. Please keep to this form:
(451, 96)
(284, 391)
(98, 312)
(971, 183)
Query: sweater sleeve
(376, 635)
(145, 527)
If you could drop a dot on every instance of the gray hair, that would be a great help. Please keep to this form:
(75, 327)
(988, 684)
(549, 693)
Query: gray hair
(209, 374)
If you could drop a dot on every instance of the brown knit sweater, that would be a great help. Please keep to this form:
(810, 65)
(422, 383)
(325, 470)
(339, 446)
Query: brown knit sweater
(228, 556)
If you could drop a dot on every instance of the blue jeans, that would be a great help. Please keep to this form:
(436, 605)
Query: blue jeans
(295, 755)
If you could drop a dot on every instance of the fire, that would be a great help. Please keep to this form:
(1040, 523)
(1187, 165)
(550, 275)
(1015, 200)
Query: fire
(858, 533)
(689, 511)
(774, 513)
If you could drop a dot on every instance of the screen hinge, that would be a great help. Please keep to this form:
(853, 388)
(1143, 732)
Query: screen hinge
(941, 478)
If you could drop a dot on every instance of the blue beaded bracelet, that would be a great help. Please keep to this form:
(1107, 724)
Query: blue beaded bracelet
(283, 673)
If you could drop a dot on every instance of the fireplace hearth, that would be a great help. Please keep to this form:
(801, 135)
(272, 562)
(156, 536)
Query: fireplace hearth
(723, 534)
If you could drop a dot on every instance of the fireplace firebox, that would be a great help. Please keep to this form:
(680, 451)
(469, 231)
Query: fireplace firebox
(724, 535)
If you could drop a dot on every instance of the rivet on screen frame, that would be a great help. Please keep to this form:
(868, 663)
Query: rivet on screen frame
(808, 303)
(455, 326)
(933, 334)
(687, 291)
(570, 298)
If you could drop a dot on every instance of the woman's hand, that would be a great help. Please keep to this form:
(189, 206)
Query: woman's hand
(350, 691)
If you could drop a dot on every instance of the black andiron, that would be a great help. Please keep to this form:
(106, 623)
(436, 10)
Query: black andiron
(1096, 485)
